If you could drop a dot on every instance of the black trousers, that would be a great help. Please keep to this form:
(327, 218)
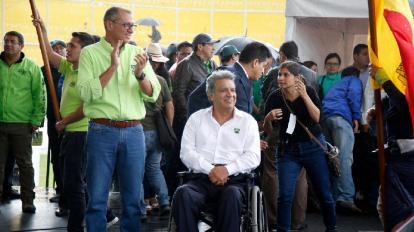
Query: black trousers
(195, 196)
(8, 175)
(73, 155)
(54, 143)
(173, 162)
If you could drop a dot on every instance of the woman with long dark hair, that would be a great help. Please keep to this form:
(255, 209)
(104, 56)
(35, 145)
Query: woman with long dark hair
(296, 108)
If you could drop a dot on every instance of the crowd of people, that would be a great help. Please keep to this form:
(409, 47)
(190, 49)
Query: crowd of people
(253, 113)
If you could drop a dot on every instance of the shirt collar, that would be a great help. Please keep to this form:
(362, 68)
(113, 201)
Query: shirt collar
(194, 54)
(107, 46)
(237, 112)
(3, 57)
(244, 70)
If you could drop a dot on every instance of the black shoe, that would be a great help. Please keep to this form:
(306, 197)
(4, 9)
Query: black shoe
(28, 207)
(54, 199)
(165, 210)
(272, 227)
(300, 227)
(5, 199)
(347, 207)
(61, 212)
(14, 194)
(144, 219)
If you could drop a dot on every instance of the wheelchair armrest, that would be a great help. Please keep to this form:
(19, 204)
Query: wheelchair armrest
(182, 174)
(185, 176)
(181, 177)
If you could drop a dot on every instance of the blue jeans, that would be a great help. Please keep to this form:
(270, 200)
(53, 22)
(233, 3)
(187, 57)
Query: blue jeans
(108, 146)
(339, 132)
(153, 171)
(291, 158)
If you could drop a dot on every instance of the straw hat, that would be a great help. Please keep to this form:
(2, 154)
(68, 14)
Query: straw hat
(155, 53)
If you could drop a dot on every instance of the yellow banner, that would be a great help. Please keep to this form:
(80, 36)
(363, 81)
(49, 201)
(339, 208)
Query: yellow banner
(389, 57)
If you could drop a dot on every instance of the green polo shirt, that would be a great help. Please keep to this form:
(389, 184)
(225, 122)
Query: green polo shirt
(22, 92)
(209, 66)
(122, 98)
(71, 100)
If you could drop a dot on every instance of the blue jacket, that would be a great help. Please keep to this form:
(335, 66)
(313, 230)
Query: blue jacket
(198, 99)
(344, 99)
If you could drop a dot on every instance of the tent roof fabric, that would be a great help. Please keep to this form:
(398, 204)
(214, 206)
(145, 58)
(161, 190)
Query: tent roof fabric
(330, 8)
(327, 8)
(323, 26)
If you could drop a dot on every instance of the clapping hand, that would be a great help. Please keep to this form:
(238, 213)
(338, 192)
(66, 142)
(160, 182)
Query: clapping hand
(141, 60)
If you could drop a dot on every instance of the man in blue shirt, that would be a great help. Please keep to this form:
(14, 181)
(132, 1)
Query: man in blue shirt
(341, 113)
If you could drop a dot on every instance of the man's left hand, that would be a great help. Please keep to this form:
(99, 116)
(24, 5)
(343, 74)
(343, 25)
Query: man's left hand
(141, 60)
(60, 126)
(379, 74)
(263, 145)
(34, 128)
(219, 175)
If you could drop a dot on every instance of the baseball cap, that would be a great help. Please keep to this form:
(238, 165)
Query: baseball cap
(228, 50)
(203, 38)
(56, 42)
(155, 52)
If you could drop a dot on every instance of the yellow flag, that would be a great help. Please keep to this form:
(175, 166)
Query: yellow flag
(388, 54)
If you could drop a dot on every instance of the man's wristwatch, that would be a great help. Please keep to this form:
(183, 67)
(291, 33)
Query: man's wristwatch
(141, 77)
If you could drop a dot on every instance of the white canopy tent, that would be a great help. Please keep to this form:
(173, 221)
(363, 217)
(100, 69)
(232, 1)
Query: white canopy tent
(320, 27)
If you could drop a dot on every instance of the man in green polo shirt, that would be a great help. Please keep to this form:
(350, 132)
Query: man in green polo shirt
(74, 126)
(115, 78)
(22, 110)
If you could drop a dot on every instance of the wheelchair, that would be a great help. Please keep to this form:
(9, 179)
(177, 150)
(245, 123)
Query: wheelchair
(253, 217)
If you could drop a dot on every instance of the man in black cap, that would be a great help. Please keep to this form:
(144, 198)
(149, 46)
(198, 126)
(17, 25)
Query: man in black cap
(251, 66)
(191, 72)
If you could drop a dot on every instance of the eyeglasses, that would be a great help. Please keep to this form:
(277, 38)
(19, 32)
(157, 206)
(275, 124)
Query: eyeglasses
(332, 64)
(12, 42)
(128, 26)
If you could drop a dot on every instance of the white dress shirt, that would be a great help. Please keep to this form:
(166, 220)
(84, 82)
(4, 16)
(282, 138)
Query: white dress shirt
(235, 144)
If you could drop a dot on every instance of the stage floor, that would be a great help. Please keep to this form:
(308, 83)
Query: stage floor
(12, 218)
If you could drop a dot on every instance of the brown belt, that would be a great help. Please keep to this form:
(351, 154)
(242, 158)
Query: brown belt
(114, 123)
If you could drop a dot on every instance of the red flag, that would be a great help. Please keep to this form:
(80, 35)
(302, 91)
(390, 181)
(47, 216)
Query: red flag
(403, 33)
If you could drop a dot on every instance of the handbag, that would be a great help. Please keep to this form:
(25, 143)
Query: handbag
(332, 152)
(166, 135)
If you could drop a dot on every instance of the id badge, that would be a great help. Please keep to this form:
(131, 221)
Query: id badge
(291, 124)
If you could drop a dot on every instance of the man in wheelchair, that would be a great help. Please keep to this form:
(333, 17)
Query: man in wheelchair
(219, 143)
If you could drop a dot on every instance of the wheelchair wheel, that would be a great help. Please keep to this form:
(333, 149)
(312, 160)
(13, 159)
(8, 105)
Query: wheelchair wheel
(258, 211)
(263, 224)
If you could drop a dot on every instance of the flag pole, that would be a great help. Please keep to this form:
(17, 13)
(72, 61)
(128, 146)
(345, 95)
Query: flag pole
(52, 90)
(372, 4)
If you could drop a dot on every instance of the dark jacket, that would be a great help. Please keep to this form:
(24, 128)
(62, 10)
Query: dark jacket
(398, 119)
(190, 73)
(198, 98)
(55, 76)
